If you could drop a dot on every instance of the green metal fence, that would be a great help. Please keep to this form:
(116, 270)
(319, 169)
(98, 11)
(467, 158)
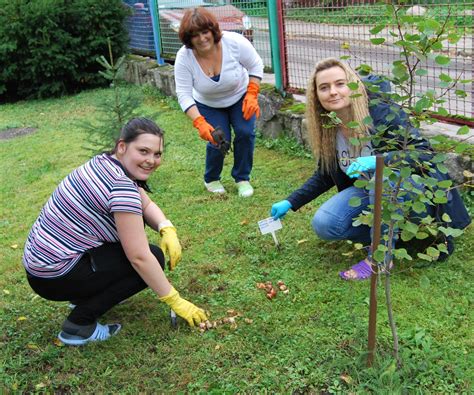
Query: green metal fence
(315, 29)
(291, 35)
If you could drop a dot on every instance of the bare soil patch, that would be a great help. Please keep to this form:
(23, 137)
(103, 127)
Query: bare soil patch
(12, 133)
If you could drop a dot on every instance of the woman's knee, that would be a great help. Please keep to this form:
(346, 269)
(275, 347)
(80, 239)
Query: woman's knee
(158, 253)
(244, 130)
(323, 226)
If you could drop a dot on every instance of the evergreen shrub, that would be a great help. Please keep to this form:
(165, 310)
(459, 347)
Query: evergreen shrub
(50, 47)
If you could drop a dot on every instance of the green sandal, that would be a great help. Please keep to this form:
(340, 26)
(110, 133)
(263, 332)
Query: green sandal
(245, 189)
(214, 187)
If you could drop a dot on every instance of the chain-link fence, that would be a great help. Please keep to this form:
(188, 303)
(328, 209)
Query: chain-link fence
(316, 29)
(140, 27)
(310, 30)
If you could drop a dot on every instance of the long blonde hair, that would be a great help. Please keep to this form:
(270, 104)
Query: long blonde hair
(323, 138)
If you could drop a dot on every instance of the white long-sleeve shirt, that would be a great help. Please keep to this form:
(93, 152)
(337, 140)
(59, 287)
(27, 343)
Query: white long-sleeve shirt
(239, 61)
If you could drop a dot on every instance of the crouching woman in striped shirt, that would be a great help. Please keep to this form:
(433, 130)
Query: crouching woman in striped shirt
(89, 246)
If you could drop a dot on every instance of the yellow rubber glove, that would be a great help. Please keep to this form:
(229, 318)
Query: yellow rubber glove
(169, 243)
(191, 313)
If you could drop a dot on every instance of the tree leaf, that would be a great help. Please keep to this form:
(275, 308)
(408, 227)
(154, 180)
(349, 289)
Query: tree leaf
(405, 172)
(445, 184)
(432, 24)
(418, 207)
(433, 252)
(442, 111)
(461, 147)
(410, 227)
(355, 201)
(401, 253)
(353, 125)
(406, 236)
(463, 130)
(379, 255)
(353, 86)
(445, 77)
(442, 60)
(377, 41)
(442, 247)
(442, 168)
(377, 29)
(424, 257)
(367, 120)
(361, 183)
(421, 235)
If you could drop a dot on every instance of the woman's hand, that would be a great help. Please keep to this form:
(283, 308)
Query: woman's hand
(250, 103)
(280, 209)
(170, 243)
(361, 164)
(204, 129)
(191, 313)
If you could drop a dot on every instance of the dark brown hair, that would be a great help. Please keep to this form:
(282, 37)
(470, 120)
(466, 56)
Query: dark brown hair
(136, 127)
(130, 132)
(195, 21)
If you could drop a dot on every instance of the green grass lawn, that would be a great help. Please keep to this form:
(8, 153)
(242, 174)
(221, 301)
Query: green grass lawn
(311, 340)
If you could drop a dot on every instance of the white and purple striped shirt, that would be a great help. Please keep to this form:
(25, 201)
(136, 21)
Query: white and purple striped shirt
(79, 216)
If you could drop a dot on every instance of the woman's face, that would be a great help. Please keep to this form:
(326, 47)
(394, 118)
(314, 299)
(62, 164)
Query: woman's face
(142, 156)
(203, 41)
(332, 90)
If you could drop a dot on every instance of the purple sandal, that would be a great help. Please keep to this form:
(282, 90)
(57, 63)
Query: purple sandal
(363, 270)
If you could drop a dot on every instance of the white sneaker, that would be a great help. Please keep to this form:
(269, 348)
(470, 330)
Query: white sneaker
(101, 333)
(245, 189)
(214, 187)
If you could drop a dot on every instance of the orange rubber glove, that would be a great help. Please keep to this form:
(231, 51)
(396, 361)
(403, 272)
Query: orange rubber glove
(250, 104)
(204, 128)
(191, 313)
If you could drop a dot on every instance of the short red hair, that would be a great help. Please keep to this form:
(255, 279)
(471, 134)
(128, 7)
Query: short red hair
(196, 20)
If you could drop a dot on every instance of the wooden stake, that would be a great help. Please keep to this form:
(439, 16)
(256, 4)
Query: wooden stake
(375, 243)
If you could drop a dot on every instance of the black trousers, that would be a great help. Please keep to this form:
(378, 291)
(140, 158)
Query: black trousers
(101, 279)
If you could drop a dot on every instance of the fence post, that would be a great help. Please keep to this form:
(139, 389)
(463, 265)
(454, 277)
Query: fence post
(155, 22)
(275, 43)
(375, 243)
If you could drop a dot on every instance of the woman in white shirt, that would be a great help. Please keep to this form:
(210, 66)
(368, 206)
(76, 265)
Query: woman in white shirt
(217, 78)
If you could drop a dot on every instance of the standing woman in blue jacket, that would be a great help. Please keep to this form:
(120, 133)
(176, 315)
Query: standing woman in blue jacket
(217, 78)
(340, 162)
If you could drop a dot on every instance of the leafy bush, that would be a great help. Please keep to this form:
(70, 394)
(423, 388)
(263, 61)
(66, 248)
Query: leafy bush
(49, 47)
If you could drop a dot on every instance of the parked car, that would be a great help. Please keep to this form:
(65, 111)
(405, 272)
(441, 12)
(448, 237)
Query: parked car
(171, 12)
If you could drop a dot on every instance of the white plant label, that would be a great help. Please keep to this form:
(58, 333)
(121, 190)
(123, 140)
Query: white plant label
(270, 225)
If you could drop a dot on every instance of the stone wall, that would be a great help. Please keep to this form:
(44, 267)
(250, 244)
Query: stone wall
(274, 120)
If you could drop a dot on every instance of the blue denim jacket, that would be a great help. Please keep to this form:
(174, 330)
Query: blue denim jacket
(321, 182)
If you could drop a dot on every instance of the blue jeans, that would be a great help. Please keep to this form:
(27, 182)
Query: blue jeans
(333, 221)
(244, 141)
